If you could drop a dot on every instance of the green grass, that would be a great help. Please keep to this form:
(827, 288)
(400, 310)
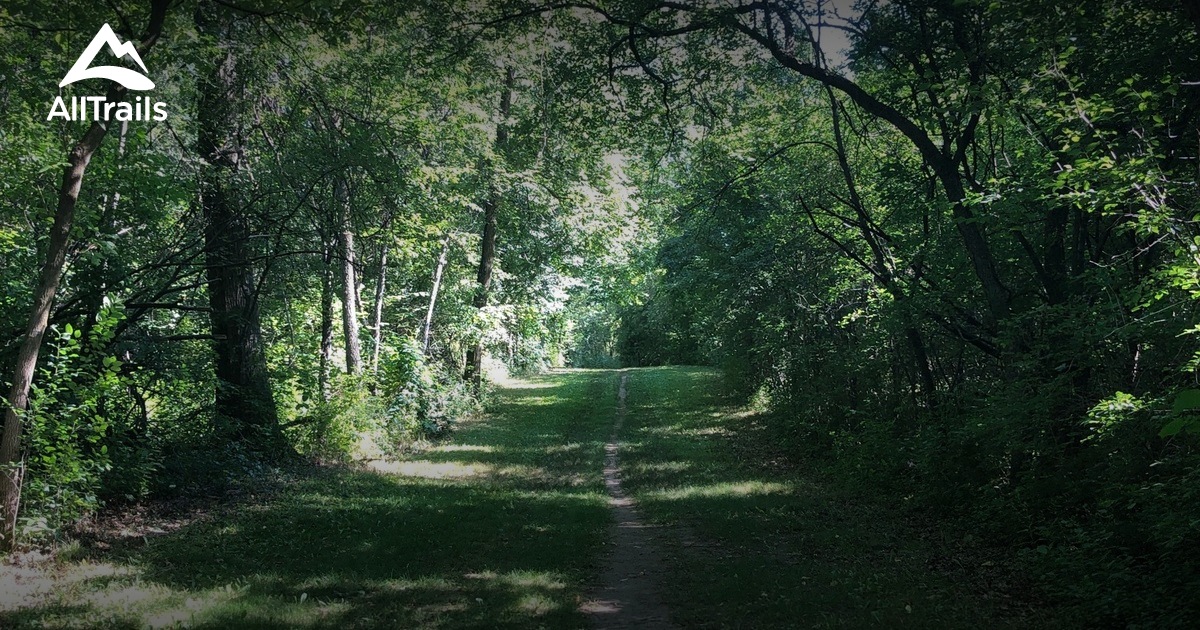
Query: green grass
(505, 525)
(501, 527)
(757, 544)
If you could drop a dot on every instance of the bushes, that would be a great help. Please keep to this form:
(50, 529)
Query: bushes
(1105, 525)
(1127, 556)
(99, 432)
(70, 414)
(331, 430)
(411, 399)
(424, 398)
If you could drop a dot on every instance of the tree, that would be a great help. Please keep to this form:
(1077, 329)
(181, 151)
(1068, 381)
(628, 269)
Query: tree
(11, 466)
(491, 208)
(243, 394)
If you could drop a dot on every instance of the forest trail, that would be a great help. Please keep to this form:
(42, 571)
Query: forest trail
(526, 518)
(633, 574)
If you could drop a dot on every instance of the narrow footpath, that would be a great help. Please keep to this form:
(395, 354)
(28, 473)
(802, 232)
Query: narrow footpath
(630, 586)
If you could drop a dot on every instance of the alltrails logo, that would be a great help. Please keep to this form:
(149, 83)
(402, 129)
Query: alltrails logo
(143, 108)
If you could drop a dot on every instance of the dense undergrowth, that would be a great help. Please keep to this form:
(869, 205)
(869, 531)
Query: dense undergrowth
(410, 400)
(1103, 528)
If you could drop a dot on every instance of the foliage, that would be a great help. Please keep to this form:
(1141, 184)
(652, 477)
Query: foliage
(68, 424)
(956, 261)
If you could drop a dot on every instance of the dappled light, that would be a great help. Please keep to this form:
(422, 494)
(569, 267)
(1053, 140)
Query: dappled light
(618, 313)
(722, 490)
(448, 471)
(511, 383)
(692, 431)
(457, 448)
(431, 470)
(655, 467)
(411, 541)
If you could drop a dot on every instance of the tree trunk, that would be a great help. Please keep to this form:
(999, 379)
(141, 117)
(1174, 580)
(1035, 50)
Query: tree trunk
(349, 281)
(1057, 283)
(474, 371)
(487, 257)
(326, 321)
(924, 370)
(433, 293)
(377, 319)
(11, 464)
(243, 397)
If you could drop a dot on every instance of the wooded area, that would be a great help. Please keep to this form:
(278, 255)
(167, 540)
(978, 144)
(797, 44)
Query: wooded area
(946, 251)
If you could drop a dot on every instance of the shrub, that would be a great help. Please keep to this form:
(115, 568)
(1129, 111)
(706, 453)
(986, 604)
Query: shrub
(66, 425)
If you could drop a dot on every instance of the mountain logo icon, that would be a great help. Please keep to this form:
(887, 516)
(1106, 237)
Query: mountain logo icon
(129, 78)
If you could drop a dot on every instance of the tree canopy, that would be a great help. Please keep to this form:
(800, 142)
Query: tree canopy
(948, 248)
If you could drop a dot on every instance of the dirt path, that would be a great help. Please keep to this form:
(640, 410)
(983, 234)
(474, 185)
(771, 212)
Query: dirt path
(629, 593)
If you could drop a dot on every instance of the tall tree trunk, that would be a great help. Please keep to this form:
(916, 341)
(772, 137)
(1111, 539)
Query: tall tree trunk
(244, 396)
(1057, 283)
(377, 316)
(349, 280)
(11, 463)
(474, 371)
(487, 257)
(326, 321)
(433, 293)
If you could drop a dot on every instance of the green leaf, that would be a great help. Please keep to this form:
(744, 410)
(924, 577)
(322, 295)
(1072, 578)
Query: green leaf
(1187, 400)
(1175, 426)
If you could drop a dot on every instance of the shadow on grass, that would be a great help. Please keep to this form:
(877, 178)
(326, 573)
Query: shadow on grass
(367, 550)
(758, 546)
(502, 528)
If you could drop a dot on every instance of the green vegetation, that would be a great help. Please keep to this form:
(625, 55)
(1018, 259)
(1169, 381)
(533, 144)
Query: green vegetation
(948, 251)
(758, 540)
(500, 527)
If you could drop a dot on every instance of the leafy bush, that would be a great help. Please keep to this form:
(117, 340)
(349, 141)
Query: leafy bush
(67, 422)
(333, 428)
(367, 417)
(423, 399)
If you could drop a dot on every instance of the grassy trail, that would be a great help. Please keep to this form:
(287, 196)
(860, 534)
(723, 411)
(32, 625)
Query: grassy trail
(508, 525)
(500, 527)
